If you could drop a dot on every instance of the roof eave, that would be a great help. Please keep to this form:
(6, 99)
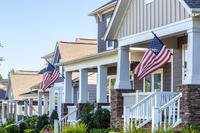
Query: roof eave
(95, 12)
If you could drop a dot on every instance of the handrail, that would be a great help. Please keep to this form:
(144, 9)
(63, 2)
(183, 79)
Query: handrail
(143, 100)
(170, 102)
(67, 115)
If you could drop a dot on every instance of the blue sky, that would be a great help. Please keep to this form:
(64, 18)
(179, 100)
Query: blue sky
(30, 29)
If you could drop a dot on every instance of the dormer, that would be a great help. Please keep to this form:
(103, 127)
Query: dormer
(103, 16)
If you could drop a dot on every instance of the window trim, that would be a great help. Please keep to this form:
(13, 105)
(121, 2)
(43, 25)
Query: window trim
(111, 47)
(152, 80)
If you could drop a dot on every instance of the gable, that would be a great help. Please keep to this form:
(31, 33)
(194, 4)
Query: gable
(142, 17)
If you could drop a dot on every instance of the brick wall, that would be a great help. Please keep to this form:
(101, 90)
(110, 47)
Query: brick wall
(190, 104)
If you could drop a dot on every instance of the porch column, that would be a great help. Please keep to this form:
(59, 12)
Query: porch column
(193, 63)
(39, 103)
(101, 84)
(16, 111)
(122, 85)
(46, 98)
(83, 86)
(25, 108)
(123, 69)
(68, 88)
(51, 101)
(30, 107)
(59, 103)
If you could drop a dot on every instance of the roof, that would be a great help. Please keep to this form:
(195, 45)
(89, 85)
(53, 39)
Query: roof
(193, 3)
(49, 55)
(104, 7)
(22, 81)
(71, 50)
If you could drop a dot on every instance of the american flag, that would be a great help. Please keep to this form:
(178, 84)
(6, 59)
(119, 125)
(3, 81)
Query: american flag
(154, 58)
(51, 74)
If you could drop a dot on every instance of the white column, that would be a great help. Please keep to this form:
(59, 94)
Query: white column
(51, 101)
(83, 86)
(30, 109)
(123, 69)
(101, 84)
(68, 88)
(39, 103)
(16, 112)
(193, 62)
(46, 98)
(59, 103)
(25, 108)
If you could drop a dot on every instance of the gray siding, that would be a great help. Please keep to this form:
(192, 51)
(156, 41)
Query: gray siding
(140, 17)
(101, 31)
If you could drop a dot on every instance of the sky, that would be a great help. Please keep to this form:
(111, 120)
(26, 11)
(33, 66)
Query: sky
(30, 29)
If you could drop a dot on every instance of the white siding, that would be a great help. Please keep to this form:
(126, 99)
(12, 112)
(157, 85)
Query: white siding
(142, 17)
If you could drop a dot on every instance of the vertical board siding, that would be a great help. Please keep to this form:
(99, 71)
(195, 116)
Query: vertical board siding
(141, 17)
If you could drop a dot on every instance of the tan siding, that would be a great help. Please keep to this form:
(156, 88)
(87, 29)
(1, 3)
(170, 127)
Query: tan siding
(141, 17)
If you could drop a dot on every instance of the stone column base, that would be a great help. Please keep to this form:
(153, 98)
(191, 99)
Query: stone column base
(79, 107)
(116, 120)
(190, 104)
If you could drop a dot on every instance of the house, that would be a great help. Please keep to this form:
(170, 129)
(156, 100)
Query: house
(175, 85)
(18, 94)
(3, 88)
(65, 51)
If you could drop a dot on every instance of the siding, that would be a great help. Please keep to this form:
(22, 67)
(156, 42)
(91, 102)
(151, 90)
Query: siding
(101, 31)
(167, 77)
(140, 17)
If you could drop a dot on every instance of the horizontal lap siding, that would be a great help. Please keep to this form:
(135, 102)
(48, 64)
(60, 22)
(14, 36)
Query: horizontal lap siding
(141, 17)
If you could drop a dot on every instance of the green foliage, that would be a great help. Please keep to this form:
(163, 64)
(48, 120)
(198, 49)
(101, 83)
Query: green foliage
(3, 130)
(12, 71)
(47, 127)
(78, 128)
(31, 121)
(1, 78)
(10, 120)
(191, 129)
(54, 116)
(22, 127)
(87, 115)
(106, 130)
(101, 118)
(29, 131)
(12, 128)
(42, 121)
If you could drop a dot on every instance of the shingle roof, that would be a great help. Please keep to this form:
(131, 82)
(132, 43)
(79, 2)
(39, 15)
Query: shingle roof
(193, 3)
(22, 81)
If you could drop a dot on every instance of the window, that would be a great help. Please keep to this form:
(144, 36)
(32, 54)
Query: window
(184, 61)
(22, 108)
(153, 81)
(148, 1)
(109, 45)
(107, 22)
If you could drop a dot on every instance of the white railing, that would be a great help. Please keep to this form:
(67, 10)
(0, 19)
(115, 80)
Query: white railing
(167, 115)
(65, 120)
(141, 112)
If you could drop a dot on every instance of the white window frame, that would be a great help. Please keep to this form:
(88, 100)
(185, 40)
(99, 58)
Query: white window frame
(148, 1)
(152, 80)
(111, 47)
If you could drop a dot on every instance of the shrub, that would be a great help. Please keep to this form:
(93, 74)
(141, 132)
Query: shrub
(87, 115)
(10, 120)
(54, 116)
(48, 126)
(12, 128)
(42, 121)
(22, 127)
(29, 131)
(101, 118)
(78, 128)
(31, 121)
(107, 130)
(3, 130)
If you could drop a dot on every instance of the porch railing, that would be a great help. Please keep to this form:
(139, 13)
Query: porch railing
(167, 115)
(141, 112)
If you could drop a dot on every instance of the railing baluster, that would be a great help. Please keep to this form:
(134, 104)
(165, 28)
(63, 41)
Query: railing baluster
(178, 109)
(174, 112)
(165, 118)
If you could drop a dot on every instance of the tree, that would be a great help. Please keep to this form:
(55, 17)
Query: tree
(12, 71)
(1, 78)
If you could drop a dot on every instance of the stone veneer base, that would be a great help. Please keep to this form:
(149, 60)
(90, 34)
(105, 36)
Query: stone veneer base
(190, 104)
(116, 120)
